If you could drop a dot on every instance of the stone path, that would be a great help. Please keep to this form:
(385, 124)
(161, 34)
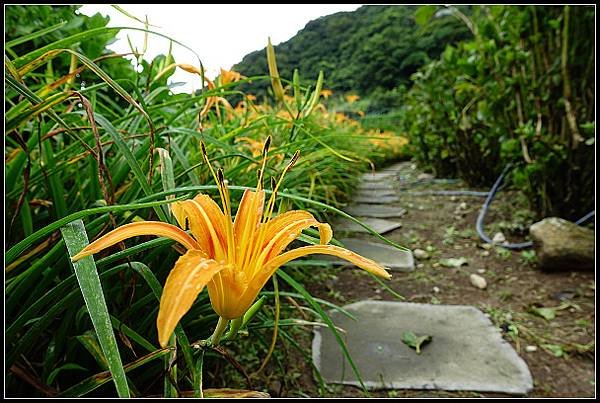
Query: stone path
(380, 225)
(466, 352)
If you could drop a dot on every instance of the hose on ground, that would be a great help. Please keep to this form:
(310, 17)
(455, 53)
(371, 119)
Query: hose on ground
(488, 201)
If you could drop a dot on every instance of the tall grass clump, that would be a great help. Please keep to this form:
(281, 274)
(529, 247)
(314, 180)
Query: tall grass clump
(94, 142)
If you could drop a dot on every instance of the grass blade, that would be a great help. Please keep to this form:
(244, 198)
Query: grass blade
(89, 282)
(94, 382)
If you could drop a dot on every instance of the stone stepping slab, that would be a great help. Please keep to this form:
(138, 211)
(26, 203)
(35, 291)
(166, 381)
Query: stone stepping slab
(376, 198)
(374, 210)
(379, 225)
(378, 176)
(384, 185)
(375, 193)
(467, 351)
(394, 168)
(386, 255)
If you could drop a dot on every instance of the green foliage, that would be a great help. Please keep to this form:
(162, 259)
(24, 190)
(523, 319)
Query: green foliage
(90, 137)
(520, 92)
(372, 50)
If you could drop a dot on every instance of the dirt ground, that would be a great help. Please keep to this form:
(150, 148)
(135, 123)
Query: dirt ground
(562, 364)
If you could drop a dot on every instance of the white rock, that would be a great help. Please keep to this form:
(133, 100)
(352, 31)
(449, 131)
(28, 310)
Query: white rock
(420, 265)
(485, 253)
(420, 254)
(480, 271)
(498, 238)
(531, 349)
(424, 176)
(436, 289)
(462, 206)
(452, 198)
(478, 281)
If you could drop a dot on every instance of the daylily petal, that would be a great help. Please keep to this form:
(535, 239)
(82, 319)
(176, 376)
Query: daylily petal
(247, 219)
(356, 259)
(283, 229)
(206, 221)
(186, 280)
(262, 276)
(156, 228)
(226, 291)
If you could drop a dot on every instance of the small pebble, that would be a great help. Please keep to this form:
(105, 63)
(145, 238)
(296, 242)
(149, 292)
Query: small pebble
(508, 317)
(436, 289)
(531, 349)
(485, 253)
(478, 281)
(480, 271)
(486, 246)
(377, 291)
(462, 206)
(420, 254)
(498, 237)
(420, 265)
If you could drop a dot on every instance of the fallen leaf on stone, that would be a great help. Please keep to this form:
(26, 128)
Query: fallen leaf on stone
(453, 262)
(414, 341)
(546, 313)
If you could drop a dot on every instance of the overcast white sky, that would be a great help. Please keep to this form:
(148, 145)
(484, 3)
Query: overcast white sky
(221, 34)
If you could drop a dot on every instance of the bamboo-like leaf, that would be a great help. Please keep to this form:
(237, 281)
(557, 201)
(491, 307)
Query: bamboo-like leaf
(85, 269)
(33, 35)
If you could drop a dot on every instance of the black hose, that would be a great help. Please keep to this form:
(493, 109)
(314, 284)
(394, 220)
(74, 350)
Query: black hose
(488, 201)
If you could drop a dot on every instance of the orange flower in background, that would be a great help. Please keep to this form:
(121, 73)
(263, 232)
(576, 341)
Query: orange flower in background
(326, 93)
(234, 258)
(229, 76)
(352, 98)
(340, 117)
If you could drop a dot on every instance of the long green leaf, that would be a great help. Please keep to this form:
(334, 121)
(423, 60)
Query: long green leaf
(298, 287)
(85, 269)
(16, 250)
(87, 385)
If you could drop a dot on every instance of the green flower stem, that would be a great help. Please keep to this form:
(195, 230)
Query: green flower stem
(216, 336)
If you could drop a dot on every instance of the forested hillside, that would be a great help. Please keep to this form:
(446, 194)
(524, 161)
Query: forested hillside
(372, 50)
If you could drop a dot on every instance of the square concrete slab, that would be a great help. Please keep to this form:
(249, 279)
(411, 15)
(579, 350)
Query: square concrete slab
(466, 352)
(379, 225)
(386, 255)
(375, 210)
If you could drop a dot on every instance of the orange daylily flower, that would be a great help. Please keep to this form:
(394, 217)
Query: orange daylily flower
(326, 93)
(230, 76)
(352, 98)
(234, 258)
